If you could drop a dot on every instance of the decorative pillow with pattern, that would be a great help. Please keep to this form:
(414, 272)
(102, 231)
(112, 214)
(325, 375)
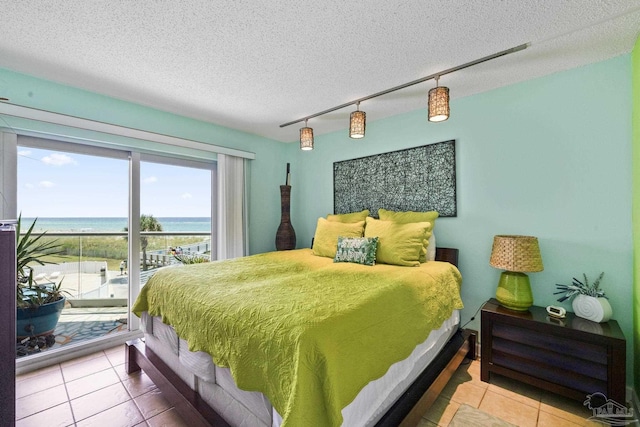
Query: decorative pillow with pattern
(359, 250)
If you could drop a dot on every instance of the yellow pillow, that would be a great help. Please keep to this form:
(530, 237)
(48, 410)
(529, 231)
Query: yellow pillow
(410, 217)
(325, 241)
(398, 244)
(349, 217)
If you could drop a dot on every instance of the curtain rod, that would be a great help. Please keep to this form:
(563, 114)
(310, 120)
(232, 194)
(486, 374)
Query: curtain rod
(414, 82)
(45, 116)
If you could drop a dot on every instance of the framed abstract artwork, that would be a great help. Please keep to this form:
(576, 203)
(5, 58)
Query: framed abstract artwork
(414, 179)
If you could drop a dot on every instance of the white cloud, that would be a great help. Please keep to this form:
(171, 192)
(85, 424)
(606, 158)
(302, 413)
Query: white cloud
(24, 153)
(57, 159)
(46, 184)
(150, 180)
(186, 196)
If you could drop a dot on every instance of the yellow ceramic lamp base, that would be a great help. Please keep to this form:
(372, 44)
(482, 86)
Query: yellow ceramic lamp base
(514, 291)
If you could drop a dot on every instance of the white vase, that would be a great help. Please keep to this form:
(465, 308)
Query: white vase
(592, 308)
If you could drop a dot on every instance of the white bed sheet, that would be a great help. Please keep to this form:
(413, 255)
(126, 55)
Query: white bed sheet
(367, 408)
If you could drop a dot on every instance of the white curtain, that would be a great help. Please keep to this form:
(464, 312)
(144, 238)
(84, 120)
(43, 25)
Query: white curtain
(231, 207)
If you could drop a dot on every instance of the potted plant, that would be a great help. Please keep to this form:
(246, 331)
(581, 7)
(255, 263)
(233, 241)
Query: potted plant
(589, 301)
(38, 304)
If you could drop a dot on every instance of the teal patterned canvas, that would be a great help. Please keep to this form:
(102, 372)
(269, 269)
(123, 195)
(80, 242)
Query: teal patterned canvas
(360, 250)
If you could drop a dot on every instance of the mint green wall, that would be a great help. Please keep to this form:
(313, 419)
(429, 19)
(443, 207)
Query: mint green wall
(267, 170)
(549, 157)
(635, 58)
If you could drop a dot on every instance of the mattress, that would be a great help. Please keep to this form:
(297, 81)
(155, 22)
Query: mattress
(248, 409)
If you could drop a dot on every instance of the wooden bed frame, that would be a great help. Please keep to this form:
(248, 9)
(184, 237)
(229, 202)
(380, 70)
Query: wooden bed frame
(406, 412)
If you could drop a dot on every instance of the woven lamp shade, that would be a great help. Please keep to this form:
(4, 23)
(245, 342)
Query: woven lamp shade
(357, 124)
(306, 138)
(439, 104)
(516, 253)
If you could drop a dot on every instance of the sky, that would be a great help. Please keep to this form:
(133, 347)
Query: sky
(57, 184)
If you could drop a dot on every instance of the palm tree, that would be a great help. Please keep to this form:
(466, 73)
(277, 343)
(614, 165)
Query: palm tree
(147, 223)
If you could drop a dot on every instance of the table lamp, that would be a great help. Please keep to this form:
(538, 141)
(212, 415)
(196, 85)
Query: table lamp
(517, 255)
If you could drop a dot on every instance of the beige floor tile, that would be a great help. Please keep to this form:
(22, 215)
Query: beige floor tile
(516, 390)
(139, 384)
(82, 358)
(570, 410)
(509, 410)
(58, 416)
(117, 357)
(545, 419)
(84, 368)
(142, 424)
(98, 401)
(124, 415)
(38, 372)
(33, 384)
(166, 419)
(442, 411)
(121, 370)
(426, 423)
(469, 372)
(41, 400)
(91, 383)
(152, 403)
(466, 392)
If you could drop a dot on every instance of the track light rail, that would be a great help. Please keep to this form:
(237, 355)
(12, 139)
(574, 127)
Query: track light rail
(414, 82)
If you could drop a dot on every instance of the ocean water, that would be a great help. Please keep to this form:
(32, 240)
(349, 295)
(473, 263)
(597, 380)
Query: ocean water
(199, 224)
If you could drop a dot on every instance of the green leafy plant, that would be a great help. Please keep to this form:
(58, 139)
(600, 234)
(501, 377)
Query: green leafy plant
(194, 258)
(580, 288)
(31, 249)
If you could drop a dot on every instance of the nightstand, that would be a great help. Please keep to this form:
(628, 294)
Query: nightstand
(572, 357)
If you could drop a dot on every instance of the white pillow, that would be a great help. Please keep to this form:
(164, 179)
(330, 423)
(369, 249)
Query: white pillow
(431, 248)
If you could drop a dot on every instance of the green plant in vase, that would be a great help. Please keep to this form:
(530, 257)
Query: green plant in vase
(38, 305)
(588, 300)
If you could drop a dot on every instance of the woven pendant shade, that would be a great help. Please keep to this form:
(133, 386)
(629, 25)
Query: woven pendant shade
(439, 104)
(357, 124)
(306, 138)
(516, 253)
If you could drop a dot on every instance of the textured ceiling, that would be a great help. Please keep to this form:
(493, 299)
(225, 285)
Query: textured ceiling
(255, 64)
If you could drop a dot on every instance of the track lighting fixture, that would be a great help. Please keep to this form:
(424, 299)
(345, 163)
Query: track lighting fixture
(438, 101)
(306, 137)
(357, 123)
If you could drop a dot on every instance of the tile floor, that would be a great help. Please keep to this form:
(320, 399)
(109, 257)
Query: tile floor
(511, 401)
(95, 390)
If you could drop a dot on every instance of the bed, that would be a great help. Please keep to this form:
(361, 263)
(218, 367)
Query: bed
(211, 382)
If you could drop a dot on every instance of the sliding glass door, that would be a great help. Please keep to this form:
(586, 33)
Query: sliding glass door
(77, 199)
(110, 218)
(175, 207)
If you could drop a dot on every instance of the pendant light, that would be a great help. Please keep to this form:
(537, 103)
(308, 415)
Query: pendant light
(438, 103)
(306, 137)
(357, 123)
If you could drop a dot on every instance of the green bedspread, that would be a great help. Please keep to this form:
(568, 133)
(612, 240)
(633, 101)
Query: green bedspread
(305, 331)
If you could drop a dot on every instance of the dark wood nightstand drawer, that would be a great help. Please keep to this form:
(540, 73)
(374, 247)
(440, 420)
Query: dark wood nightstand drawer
(557, 356)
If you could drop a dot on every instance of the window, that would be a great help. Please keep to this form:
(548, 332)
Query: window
(82, 197)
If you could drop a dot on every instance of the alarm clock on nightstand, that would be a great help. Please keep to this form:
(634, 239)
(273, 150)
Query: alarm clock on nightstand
(557, 312)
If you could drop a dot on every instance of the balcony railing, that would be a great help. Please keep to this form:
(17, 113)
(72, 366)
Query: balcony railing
(94, 269)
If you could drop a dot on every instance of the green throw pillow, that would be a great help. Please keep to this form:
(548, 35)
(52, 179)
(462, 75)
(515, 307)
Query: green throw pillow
(325, 241)
(360, 250)
(398, 244)
(349, 217)
(411, 217)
